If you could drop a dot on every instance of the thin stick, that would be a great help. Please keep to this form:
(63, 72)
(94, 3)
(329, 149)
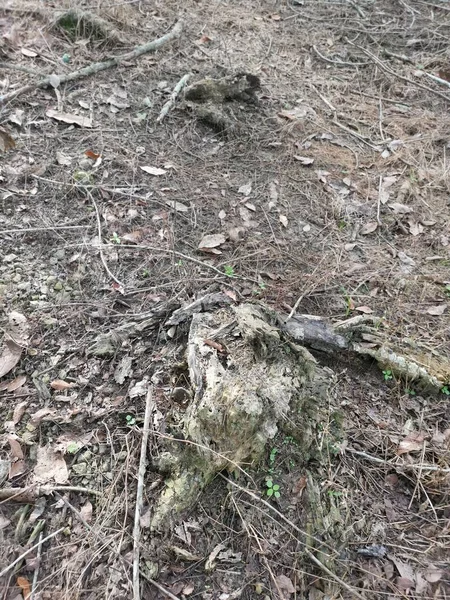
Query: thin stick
(291, 524)
(140, 493)
(173, 96)
(380, 183)
(338, 63)
(33, 229)
(27, 552)
(387, 69)
(100, 245)
(437, 79)
(36, 571)
(97, 67)
(186, 257)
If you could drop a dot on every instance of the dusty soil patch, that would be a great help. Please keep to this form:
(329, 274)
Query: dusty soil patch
(330, 195)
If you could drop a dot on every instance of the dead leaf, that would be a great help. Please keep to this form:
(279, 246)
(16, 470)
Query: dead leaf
(205, 39)
(386, 183)
(403, 583)
(62, 159)
(368, 228)
(134, 237)
(273, 194)
(412, 442)
(69, 118)
(28, 53)
(185, 554)
(212, 241)
(156, 171)
(6, 141)
(19, 411)
(246, 189)
(59, 385)
(250, 206)
(9, 357)
(178, 206)
(400, 209)
(188, 589)
(16, 383)
(231, 294)
(299, 113)
(91, 154)
(25, 586)
(433, 574)
(86, 511)
(283, 220)
(211, 560)
(50, 466)
(54, 80)
(16, 449)
(437, 311)
(304, 160)
(236, 234)
(364, 309)
(285, 584)
(415, 228)
(222, 215)
(17, 465)
(4, 522)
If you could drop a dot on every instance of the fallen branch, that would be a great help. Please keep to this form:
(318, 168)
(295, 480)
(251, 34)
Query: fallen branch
(94, 68)
(173, 96)
(29, 494)
(140, 493)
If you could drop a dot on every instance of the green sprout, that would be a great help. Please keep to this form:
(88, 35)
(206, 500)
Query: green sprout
(387, 375)
(115, 239)
(130, 420)
(73, 447)
(273, 489)
(445, 390)
(229, 271)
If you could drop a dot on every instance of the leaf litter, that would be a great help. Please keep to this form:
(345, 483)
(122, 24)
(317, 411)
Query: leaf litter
(296, 204)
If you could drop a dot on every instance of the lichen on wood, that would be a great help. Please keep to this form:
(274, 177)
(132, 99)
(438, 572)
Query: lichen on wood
(242, 396)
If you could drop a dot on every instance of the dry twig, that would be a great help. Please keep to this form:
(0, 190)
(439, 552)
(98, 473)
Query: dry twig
(173, 96)
(94, 68)
(140, 493)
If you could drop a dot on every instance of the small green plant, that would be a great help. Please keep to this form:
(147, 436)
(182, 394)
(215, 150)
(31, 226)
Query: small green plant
(447, 290)
(342, 225)
(387, 374)
(445, 390)
(410, 392)
(273, 489)
(334, 493)
(115, 239)
(130, 420)
(145, 273)
(229, 271)
(72, 447)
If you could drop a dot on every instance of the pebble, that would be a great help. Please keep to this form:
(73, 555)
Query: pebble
(9, 258)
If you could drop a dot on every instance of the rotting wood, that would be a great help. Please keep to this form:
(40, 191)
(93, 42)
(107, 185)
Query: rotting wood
(94, 68)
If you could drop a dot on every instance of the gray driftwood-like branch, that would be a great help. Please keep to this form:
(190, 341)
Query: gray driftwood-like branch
(94, 68)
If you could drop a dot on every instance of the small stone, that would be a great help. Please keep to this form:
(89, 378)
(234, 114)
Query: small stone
(17, 277)
(58, 286)
(24, 286)
(51, 279)
(60, 254)
(80, 468)
(9, 258)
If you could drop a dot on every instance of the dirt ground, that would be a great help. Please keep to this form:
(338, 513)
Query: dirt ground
(327, 192)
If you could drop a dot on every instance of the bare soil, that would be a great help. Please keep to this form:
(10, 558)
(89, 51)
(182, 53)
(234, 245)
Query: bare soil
(332, 195)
